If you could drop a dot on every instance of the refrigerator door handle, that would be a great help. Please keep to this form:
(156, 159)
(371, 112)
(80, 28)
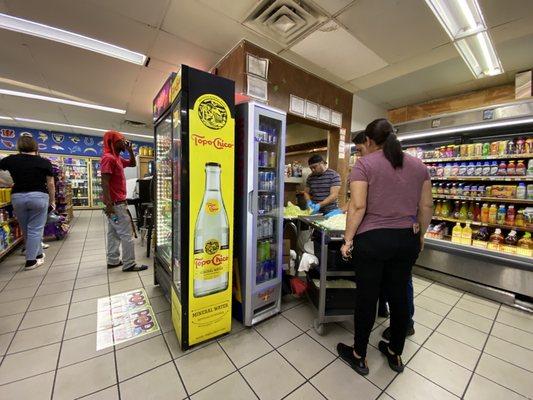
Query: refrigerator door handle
(251, 205)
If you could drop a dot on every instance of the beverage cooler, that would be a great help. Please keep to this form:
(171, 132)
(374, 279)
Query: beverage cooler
(260, 158)
(194, 157)
(78, 174)
(96, 184)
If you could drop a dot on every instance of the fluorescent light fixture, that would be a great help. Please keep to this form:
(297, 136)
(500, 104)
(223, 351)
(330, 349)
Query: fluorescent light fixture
(74, 39)
(479, 54)
(61, 101)
(464, 23)
(461, 129)
(459, 18)
(36, 121)
(2, 117)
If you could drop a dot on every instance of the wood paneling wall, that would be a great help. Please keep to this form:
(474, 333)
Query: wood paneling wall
(479, 98)
(285, 79)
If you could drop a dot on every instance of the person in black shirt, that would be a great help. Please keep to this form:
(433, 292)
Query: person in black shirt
(32, 195)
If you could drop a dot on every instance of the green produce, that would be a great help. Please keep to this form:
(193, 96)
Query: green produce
(293, 211)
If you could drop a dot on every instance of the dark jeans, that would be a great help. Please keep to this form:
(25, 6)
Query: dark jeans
(410, 297)
(383, 258)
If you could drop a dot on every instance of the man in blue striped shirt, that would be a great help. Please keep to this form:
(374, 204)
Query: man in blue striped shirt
(322, 187)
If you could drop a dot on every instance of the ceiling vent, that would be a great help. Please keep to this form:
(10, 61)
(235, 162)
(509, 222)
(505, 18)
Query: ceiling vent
(136, 124)
(284, 20)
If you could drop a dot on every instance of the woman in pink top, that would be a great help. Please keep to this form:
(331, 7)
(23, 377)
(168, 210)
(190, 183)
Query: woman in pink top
(388, 214)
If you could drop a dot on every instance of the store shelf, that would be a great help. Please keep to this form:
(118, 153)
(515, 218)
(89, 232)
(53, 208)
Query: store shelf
(10, 248)
(293, 179)
(2, 205)
(480, 158)
(487, 199)
(9, 221)
(477, 223)
(501, 257)
(267, 168)
(485, 178)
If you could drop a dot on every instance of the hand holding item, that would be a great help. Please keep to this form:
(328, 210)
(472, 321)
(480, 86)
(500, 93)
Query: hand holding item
(346, 250)
(109, 209)
(313, 206)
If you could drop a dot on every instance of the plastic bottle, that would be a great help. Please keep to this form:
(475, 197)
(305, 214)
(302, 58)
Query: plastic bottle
(525, 245)
(530, 167)
(439, 170)
(462, 169)
(447, 170)
(470, 212)
(502, 169)
(500, 217)
(457, 233)
(510, 216)
(434, 188)
(521, 191)
(520, 168)
(511, 241)
(486, 149)
(493, 213)
(456, 210)
(520, 219)
(511, 168)
(479, 169)
(471, 150)
(466, 235)
(470, 169)
(494, 146)
(493, 168)
(445, 209)
(486, 169)
(477, 213)
(478, 149)
(438, 207)
(511, 147)
(502, 149)
(520, 146)
(460, 188)
(496, 240)
(455, 169)
(463, 211)
(485, 213)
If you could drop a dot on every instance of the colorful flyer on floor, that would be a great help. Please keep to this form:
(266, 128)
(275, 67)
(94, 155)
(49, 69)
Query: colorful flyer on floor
(123, 317)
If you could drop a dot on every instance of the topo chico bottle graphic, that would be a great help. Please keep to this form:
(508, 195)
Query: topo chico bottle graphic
(211, 238)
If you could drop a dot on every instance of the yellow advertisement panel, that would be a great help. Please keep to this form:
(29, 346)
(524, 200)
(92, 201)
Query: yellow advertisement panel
(176, 313)
(211, 164)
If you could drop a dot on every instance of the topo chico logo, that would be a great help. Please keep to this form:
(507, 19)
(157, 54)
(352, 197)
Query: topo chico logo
(211, 246)
(212, 111)
(217, 143)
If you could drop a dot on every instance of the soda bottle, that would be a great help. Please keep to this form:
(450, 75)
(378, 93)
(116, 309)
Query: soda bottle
(211, 238)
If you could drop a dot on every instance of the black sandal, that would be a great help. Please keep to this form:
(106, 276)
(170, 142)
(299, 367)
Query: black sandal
(395, 361)
(135, 268)
(359, 365)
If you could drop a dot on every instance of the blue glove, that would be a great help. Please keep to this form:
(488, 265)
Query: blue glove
(313, 206)
(332, 213)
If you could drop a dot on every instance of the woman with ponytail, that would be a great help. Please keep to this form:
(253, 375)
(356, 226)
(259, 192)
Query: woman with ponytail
(389, 212)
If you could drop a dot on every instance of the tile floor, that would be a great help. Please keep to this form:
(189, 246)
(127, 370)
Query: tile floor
(464, 346)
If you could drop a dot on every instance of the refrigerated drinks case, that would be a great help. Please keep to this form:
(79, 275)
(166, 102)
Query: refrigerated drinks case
(77, 173)
(96, 185)
(260, 158)
(194, 158)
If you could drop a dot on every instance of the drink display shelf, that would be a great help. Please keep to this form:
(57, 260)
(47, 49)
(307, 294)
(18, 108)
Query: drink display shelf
(485, 178)
(483, 199)
(487, 224)
(480, 158)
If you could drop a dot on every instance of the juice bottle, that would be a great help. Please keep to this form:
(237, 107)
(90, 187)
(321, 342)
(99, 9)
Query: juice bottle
(502, 169)
(525, 245)
(493, 168)
(445, 209)
(457, 233)
(464, 150)
(511, 168)
(479, 149)
(462, 169)
(466, 235)
(486, 169)
(486, 149)
(510, 216)
(453, 190)
(455, 169)
(520, 219)
(502, 148)
(496, 240)
(493, 212)
(494, 148)
(479, 169)
(438, 207)
(520, 168)
(463, 211)
(500, 216)
(520, 146)
(456, 210)
(470, 169)
(434, 188)
(447, 170)
(511, 147)
(470, 213)
(477, 212)
(511, 241)
(471, 150)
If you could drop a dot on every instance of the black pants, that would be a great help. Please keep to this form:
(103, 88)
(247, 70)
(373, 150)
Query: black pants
(383, 258)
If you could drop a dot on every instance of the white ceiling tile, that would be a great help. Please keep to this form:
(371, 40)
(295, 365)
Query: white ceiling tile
(333, 6)
(144, 91)
(335, 49)
(148, 12)
(501, 12)
(236, 10)
(394, 30)
(86, 19)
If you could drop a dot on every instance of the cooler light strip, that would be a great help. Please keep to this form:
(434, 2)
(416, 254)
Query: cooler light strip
(472, 128)
(36, 121)
(73, 39)
(61, 101)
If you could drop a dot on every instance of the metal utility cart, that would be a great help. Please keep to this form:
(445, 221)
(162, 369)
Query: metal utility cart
(332, 304)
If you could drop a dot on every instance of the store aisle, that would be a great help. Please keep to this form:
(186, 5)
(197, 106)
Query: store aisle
(48, 343)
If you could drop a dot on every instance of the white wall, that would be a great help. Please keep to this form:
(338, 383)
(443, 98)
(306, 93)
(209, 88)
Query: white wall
(299, 133)
(364, 112)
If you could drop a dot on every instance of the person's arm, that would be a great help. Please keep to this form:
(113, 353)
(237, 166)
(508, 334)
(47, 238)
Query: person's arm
(51, 185)
(109, 208)
(333, 196)
(132, 162)
(356, 213)
(425, 210)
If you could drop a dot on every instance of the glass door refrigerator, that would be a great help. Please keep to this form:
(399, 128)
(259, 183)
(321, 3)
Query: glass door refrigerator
(77, 173)
(194, 177)
(96, 184)
(259, 179)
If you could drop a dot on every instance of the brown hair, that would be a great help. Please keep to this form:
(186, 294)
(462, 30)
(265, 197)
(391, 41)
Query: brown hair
(27, 144)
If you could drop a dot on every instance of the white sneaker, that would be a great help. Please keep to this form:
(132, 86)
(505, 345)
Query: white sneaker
(40, 261)
(45, 246)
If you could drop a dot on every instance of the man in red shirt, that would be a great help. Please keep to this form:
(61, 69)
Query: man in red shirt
(119, 223)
